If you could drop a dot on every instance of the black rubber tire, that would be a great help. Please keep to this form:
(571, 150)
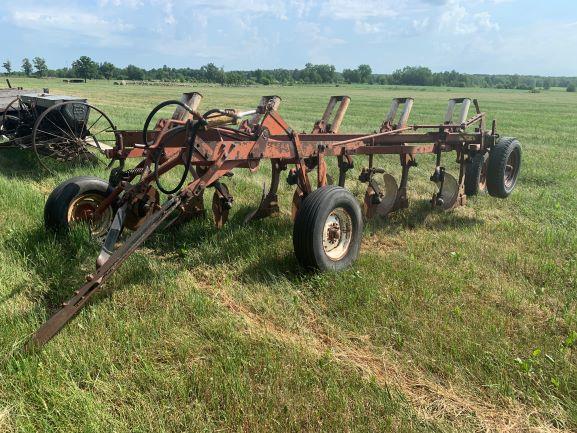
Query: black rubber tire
(496, 167)
(473, 174)
(56, 207)
(309, 226)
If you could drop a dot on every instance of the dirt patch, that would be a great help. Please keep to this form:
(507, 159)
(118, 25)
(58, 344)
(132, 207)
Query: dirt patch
(6, 420)
(450, 406)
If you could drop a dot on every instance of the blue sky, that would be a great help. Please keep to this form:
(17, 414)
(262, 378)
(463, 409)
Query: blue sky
(480, 36)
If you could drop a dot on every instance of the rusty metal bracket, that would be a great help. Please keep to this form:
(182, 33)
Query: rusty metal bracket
(325, 124)
(389, 121)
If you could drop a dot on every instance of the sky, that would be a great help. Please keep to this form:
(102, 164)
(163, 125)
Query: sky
(474, 36)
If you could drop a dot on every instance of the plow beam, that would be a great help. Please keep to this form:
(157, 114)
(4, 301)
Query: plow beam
(71, 307)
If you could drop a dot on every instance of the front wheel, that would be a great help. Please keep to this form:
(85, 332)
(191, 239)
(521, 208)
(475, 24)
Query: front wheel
(328, 229)
(76, 200)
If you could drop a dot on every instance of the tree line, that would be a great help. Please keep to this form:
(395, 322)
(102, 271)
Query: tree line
(85, 68)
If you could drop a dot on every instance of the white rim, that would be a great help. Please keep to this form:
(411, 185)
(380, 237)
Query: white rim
(337, 234)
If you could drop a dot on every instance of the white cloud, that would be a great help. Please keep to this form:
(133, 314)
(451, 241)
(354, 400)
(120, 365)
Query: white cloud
(275, 8)
(123, 3)
(169, 18)
(320, 43)
(442, 34)
(458, 20)
(421, 25)
(302, 7)
(70, 21)
(541, 48)
(364, 27)
(485, 22)
(351, 9)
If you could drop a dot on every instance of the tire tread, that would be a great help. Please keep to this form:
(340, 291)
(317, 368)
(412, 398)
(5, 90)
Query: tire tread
(498, 157)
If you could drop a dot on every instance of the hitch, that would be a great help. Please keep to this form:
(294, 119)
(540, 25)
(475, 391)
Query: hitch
(71, 307)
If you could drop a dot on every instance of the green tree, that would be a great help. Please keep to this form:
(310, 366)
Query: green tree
(85, 68)
(413, 76)
(40, 66)
(212, 73)
(234, 78)
(365, 73)
(26, 67)
(514, 81)
(8, 66)
(571, 87)
(351, 75)
(107, 70)
(134, 73)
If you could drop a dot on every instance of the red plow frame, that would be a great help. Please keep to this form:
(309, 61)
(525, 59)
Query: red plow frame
(328, 221)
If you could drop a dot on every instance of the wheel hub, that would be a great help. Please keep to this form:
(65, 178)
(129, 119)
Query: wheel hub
(333, 233)
(337, 234)
(83, 209)
(511, 168)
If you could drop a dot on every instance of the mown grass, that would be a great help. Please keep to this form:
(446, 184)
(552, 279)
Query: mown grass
(457, 321)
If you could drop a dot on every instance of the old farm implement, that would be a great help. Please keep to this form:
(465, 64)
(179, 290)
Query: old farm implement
(203, 149)
(58, 129)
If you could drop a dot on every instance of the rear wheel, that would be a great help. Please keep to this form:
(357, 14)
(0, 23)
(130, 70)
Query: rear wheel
(503, 167)
(72, 132)
(328, 229)
(76, 200)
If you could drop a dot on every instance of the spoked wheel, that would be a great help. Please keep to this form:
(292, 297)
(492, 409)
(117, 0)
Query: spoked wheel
(72, 132)
(15, 117)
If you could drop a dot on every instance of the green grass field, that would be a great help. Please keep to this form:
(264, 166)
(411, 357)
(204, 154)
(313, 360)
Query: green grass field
(462, 321)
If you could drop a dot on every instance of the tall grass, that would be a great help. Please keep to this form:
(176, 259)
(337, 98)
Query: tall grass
(457, 321)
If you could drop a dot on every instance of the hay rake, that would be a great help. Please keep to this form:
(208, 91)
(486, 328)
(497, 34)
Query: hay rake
(328, 220)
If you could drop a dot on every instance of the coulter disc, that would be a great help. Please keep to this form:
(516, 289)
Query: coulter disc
(450, 192)
(388, 197)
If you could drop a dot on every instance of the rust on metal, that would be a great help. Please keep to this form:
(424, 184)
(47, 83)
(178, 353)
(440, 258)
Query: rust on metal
(208, 147)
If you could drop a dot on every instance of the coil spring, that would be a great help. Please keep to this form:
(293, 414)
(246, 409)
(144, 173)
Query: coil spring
(117, 175)
(133, 172)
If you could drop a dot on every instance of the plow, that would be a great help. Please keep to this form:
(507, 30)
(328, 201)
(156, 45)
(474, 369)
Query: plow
(181, 157)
